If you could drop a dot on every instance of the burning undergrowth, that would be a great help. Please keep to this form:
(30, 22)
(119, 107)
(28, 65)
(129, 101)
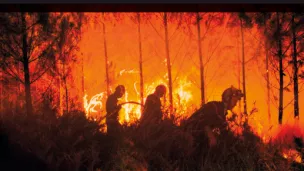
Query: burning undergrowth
(73, 142)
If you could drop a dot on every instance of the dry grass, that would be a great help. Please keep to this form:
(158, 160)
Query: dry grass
(72, 142)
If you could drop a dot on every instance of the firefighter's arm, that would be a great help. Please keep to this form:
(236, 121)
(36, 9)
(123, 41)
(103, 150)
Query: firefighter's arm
(211, 136)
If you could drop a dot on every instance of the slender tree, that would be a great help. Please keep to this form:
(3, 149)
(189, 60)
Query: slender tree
(140, 62)
(281, 71)
(295, 67)
(198, 19)
(168, 61)
(208, 22)
(23, 34)
(242, 21)
(26, 67)
(67, 44)
(262, 20)
(239, 71)
(267, 66)
(30, 39)
(106, 54)
(243, 69)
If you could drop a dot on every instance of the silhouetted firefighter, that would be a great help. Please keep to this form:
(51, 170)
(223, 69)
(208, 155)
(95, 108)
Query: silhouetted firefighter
(112, 108)
(152, 110)
(210, 120)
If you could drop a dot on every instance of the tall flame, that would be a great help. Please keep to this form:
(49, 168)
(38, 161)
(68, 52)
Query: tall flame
(94, 105)
(132, 112)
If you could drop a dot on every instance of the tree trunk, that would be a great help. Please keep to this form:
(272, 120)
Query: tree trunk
(66, 97)
(82, 59)
(82, 77)
(239, 70)
(82, 72)
(243, 69)
(106, 55)
(60, 89)
(200, 58)
(140, 64)
(295, 68)
(267, 70)
(65, 87)
(168, 63)
(18, 100)
(27, 82)
(280, 69)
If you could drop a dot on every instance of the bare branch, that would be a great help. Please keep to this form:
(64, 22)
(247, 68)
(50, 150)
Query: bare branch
(44, 52)
(11, 49)
(218, 44)
(42, 73)
(178, 72)
(31, 47)
(156, 31)
(43, 94)
(178, 50)
(12, 74)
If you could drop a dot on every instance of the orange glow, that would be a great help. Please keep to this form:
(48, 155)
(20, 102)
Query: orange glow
(131, 112)
(292, 155)
(221, 50)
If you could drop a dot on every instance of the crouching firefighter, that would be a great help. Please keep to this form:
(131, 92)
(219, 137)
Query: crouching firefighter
(112, 108)
(210, 120)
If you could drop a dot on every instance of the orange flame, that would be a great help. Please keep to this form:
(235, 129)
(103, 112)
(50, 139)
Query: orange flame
(95, 101)
(292, 155)
(130, 112)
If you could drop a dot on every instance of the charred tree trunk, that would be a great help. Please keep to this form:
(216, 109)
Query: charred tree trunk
(280, 69)
(82, 77)
(168, 61)
(82, 59)
(18, 101)
(140, 64)
(60, 89)
(66, 96)
(82, 73)
(295, 69)
(27, 82)
(198, 19)
(239, 70)
(65, 86)
(243, 69)
(267, 69)
(106, 55)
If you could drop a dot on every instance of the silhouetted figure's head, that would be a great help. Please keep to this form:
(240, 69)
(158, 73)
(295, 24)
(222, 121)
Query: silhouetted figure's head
(160, 90)
(231, 96)
(120, 91)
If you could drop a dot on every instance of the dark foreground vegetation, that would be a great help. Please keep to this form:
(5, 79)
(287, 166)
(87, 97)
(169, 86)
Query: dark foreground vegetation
(72, 142)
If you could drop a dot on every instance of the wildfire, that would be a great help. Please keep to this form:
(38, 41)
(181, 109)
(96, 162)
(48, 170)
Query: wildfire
(132, 112)
(95, 101)
(292, 155)
(128, 72)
